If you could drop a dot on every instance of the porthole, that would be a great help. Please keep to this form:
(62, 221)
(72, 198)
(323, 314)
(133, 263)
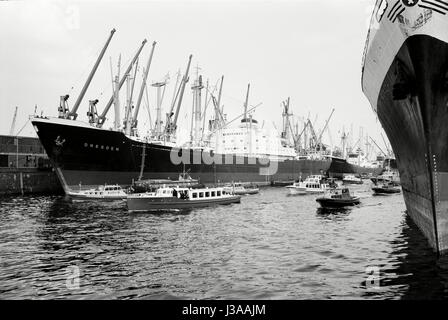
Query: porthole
(107, 147)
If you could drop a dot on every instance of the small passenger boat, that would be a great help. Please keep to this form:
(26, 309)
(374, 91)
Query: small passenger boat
(102, 193)
(168, 198)
(337, 198)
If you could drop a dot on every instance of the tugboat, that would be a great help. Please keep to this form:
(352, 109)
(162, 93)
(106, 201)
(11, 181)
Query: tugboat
(351, 179)
(241, 189)
(386, 188)
(338, 198)
(168, 198)
(103, 193)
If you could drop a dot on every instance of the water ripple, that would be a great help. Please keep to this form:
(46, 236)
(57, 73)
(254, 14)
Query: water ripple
(271, 246)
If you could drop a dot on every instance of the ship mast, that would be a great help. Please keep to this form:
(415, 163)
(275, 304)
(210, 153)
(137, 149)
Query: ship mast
(196, 112)
(13, 123)
(286, 123)
(246, 102)
(173, 103)
(158, 127)
(116, 95)
(171, 128)
(102, 117)
(72, 114)
(130, 91)
(142, 89)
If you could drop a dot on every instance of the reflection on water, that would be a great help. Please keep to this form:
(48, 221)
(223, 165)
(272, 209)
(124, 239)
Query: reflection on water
(271, 246)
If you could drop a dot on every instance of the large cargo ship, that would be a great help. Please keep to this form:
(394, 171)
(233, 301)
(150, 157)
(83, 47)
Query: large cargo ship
(85, 154)
(405, 78)
(89, 156)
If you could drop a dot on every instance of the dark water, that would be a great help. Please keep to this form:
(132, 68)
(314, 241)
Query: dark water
(271, 246)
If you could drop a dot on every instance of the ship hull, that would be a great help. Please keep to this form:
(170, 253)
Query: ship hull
(142, 203)
(421, 149)
(405, 79)
(88, 156)
(340, 166)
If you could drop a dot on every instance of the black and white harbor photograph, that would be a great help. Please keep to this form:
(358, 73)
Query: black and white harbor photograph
(211, 150)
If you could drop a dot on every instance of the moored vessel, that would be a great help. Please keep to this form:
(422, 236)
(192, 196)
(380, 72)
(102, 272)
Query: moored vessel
(405, 79)
(101, 193)
(179, 198)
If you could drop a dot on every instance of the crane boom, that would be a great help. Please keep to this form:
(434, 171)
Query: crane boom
(142, 89)
(13, 123)
(102, 117)
(378, 146)
(73, 114)
(181, 93)
(325, 127)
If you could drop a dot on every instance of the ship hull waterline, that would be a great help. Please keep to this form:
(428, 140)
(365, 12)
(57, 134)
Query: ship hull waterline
(416, 125)
(85, 157)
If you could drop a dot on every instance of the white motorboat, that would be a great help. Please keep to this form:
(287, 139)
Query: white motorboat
(312, 184)
(103, 193)
(351, 179)
(169, 198)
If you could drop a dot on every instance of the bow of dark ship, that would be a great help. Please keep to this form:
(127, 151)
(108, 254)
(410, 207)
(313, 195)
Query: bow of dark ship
(405, 77)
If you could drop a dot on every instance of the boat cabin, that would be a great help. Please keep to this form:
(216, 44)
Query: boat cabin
(340, 193)
(192, 194)
(106, 189)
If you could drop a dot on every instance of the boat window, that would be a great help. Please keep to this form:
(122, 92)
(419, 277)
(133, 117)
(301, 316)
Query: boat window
(194, 194)
(201, 194)
(213, 194)
(207, 194)
(218, 193)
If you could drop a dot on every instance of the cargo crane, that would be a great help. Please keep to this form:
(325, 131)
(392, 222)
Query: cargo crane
(379, 148)
(142, 89)
(219, 119)
(63, 109)
(319, 139)
(286, 123)
(13, 123)
(171, 126)
(102, 117)
(130, 82)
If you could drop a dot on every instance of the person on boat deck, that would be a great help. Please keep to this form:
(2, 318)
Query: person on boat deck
(174, 193)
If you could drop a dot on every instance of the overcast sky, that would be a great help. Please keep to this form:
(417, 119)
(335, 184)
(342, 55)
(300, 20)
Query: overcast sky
(310, 51)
